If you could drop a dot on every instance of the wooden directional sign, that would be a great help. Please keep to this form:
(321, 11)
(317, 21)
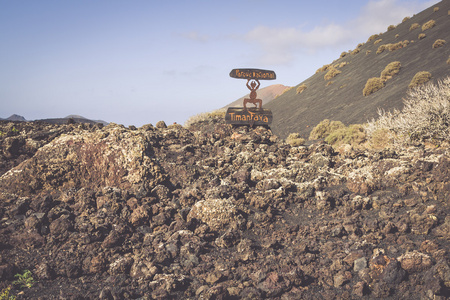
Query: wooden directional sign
(250, 116)
(253, 74)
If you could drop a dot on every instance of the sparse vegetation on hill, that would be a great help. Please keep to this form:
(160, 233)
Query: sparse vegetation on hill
(332, 72)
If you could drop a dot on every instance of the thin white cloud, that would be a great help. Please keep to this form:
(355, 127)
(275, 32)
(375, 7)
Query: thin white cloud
(195, 36)
(281, 45)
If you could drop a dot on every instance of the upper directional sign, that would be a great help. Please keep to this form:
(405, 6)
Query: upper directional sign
(253, 74)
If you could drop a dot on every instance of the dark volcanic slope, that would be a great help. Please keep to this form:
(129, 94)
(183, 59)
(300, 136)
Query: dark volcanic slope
(343, 99)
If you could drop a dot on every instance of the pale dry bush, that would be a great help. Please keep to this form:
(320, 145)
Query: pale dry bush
(424, 117)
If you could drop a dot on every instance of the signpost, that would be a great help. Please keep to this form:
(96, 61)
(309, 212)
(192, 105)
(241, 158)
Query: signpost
(255, 115)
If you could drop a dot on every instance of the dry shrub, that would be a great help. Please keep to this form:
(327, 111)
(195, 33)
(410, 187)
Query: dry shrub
(353, 134)
(438, 43)
(301, 88)
(295, 140)
(368, 52)
(380, 138)
(448, 61)
(324, 128)
(424, 117)
(397, 35)
(391, 69)
(373, 37)
(323, 68)
(422, 36)
(343, 54)
(356, 51)
(372, 85)
(414, 26)
(377, 41)
(329, 83)
(436, 9)
(381, 49)
(332, 72)
(419, 79)
(428, 25)
(343, 64)
(405, 19)
(391, 27)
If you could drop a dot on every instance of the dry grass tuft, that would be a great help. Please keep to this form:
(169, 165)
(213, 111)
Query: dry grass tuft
(438, 43)
(391, 69)
(372, 85)
(422, 36)
(428, 25)
(448, 61)
(301, 88)
(332, 72)
(377, 41)
(419, 79)
(414, 26)
(436, 9)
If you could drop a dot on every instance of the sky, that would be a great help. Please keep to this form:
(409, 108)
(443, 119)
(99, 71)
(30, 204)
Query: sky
(135, 62)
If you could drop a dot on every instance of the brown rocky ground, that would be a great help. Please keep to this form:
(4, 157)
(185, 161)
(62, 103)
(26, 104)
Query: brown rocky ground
(215, 212)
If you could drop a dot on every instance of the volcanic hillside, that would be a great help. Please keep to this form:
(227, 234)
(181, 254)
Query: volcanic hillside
(335, 92)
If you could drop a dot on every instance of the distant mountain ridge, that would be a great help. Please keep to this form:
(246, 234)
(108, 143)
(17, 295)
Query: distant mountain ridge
(266, 94)
(341, 97)
(65, 120)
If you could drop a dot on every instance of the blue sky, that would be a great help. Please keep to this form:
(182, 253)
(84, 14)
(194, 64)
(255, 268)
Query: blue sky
(137, 62)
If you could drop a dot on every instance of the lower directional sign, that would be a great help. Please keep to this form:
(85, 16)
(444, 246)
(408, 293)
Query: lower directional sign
(249, 116)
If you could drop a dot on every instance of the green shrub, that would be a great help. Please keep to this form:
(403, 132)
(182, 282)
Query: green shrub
(414, 26)
(428, 25)
(391, 69)
(5, 294)
(438, 43)
(324, 128)
(24, 280)
(372, 85)
(419, 79)
(353, 134)
(295, 140)
(332, 72)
